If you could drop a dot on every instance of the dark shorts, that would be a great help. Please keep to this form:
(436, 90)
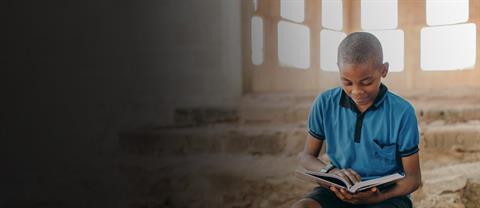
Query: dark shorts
(328, 199)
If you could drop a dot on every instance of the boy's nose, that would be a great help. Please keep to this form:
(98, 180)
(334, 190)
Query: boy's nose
(357, 91)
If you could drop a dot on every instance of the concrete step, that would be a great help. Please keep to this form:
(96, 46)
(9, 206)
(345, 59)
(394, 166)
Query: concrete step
(459, 136)
(273, 139)
(214, 180)
(286, 108)
(448, 113)
(285, 139)
(241, 180)
(453, 105)
(456, 185)
(204, 115)
(274, 112)
(276, 107)
(288, 113)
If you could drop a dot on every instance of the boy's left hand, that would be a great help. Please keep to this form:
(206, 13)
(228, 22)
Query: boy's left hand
(365, 197)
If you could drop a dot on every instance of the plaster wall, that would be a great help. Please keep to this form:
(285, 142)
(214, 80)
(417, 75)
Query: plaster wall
(271, 77)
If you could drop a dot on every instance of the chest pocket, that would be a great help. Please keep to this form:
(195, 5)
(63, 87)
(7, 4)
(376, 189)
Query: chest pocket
(384, 155)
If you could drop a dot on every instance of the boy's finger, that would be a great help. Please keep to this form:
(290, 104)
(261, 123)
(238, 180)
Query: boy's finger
(359, 178)
(354, 177)
(338, 194)
(345, 194)
(334, 190)
(343, 175)
(350, 176)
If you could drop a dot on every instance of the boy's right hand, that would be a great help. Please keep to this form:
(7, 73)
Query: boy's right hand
(348, 174)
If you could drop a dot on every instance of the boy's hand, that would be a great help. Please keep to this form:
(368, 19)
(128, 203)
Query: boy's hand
(348, 174)
(366, 197)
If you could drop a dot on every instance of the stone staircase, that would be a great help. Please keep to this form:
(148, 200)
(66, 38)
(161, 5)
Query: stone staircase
(245, 157)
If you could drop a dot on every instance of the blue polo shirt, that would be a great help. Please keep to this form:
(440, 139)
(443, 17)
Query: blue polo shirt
(371, 143)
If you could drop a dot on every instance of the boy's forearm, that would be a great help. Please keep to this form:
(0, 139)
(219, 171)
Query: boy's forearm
(311, 163)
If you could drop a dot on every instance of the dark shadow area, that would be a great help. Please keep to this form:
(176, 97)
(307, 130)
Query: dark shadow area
(80, 72)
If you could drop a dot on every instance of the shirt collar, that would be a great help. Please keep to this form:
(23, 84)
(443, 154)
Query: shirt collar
(347, 102)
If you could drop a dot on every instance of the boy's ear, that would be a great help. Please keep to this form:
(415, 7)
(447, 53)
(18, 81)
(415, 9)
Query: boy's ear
(385, 69)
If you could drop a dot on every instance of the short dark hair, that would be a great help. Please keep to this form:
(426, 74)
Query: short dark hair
(359, 48)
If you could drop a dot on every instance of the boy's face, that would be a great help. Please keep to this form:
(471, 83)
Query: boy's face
(361, 82)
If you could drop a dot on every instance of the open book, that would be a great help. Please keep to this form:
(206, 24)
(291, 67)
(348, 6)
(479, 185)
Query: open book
(326, 180)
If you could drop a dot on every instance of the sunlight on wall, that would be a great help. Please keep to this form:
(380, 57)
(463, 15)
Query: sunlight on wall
(331, 34)
(393, 48)
(255, 5)
(380, 17)
(293, 10)
(379, 14)
(448, 47)
(447, 43)
(437, 11)
(329, 41)
(293, 45)
(257, 40)
(332, 14)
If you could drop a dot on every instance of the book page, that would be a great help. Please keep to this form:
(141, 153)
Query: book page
(375, 182)
(331, 178)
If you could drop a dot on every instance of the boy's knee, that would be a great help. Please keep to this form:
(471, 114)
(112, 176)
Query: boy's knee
(306, 203)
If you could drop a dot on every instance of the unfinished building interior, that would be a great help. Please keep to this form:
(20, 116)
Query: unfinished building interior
(204, 103)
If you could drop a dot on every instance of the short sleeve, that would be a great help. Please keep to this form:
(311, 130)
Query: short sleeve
(315, 120)
(408, 135)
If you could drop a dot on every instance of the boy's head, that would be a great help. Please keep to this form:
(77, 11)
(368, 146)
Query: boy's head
(360, 60)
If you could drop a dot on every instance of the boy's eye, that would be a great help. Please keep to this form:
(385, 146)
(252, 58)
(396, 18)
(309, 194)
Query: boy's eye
(366, 83)
(347, 83)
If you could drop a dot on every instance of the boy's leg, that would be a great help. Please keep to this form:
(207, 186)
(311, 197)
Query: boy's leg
(327, 199)
(396, 202)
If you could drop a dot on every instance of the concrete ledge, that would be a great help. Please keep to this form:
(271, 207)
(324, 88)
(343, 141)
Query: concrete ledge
(449, 114)
(214, 180)
(274, 113)
(204, 115)
(254, 140)
(463, 136)
(291, 107)
(450, 186)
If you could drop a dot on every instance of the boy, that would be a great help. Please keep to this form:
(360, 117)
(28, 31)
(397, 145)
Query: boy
(370, 132)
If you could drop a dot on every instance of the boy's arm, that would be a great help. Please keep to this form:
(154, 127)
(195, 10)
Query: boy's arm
(309, 160)
(309, 156)
(410, 183)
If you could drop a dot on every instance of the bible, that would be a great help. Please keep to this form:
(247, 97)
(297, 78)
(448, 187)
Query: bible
(327, 180)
